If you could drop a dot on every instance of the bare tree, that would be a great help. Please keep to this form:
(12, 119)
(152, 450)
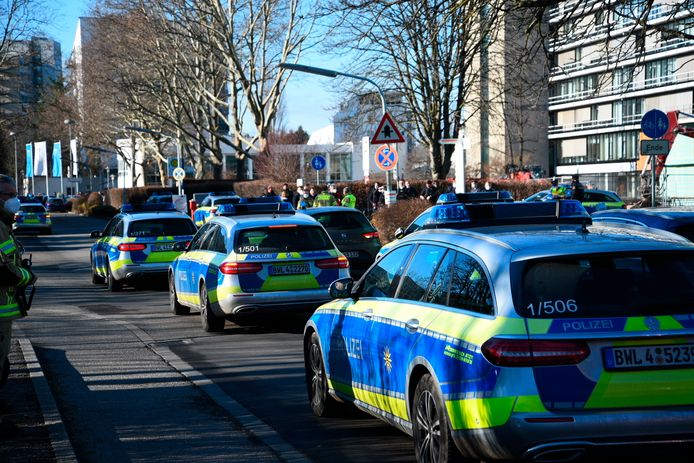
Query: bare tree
(427, 51)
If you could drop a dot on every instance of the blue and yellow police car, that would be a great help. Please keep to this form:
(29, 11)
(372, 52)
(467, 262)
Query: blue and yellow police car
(33, 217)
(208, 207)
(254, 260)
(139, 242)
(515, 331)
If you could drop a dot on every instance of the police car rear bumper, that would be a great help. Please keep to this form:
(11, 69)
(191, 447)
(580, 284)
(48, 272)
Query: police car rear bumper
(137, 272)
(581, 435)
(273, 302)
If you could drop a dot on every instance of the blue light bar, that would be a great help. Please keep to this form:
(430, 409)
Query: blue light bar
(468, 215)
(148, 207)
(245, 208)
(476, 197)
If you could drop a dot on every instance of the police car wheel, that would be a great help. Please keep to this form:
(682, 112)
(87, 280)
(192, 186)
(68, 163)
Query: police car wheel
(210, 322)
(432, 438)
(322, 403)
(113, 284)
(96, 278)
(176, 308)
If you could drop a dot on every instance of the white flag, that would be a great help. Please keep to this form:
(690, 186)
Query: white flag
(73, 158)
(40, 160)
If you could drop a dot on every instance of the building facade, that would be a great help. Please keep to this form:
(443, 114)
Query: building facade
(32, 66)
(607, 70)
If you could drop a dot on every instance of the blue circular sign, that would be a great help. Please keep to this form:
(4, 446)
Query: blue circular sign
(318, 162)
(654, 123)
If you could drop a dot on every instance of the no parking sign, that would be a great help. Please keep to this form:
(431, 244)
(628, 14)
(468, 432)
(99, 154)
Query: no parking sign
(386, 157)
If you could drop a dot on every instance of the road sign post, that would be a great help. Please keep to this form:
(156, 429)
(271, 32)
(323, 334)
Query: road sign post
(654, 124)
(318, 162)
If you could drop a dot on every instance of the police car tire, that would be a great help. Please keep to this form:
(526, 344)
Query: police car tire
(322, 403)
(96, 278)
(429, 409)
(113, 284)
(210, 322)
(176, 307)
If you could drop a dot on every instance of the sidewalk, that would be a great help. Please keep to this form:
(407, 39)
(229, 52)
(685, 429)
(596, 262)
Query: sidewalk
(33, 443)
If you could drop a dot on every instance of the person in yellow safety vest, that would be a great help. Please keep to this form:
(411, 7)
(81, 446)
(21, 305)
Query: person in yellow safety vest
(324, 199)
(14, 278)
(348, 199)
(558, 191)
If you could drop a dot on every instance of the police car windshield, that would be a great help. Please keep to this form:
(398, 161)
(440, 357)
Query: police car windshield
(599, 285)
(227, 201)
(283, 238)
(33, 208)
(344, 220)
(161, 227)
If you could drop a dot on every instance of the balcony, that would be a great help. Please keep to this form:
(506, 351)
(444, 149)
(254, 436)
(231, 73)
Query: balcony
(609, 59)
(623, 89)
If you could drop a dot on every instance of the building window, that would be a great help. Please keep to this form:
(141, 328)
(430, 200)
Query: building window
(660, 72)
(623, 78)
(627, 111)
(340, 167)
(619, 146)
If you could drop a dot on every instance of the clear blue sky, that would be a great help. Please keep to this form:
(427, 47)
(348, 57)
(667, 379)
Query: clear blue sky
(308, 98)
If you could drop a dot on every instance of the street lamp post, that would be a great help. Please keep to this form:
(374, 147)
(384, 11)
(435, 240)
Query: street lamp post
(16, 171)
(332, 74)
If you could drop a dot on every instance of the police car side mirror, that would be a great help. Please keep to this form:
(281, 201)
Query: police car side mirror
(399, 233)
(95, 234)
(342, 288)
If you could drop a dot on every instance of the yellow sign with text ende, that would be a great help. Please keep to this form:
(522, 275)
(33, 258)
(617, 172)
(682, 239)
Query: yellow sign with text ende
(655, 147)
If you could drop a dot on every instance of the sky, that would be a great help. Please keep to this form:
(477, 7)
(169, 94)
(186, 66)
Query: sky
(309, 100)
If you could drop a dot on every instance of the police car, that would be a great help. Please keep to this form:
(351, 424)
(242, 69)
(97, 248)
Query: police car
(208, 207)
(33, 217)
(141, 241)
(255, 259)
(515, 331)
(678, 220)
(593, 200)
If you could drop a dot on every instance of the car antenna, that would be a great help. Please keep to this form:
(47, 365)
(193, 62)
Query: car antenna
(584, 226)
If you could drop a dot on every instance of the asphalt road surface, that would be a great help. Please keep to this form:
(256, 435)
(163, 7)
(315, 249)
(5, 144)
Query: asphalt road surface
(125, 373)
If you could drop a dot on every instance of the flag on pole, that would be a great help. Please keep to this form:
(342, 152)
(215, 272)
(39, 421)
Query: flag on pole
(57, 160)
(73, 157)
(40, 159)
(30, 162)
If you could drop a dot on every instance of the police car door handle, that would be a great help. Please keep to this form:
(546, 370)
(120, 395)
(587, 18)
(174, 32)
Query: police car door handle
(412, 325)
(368, 314)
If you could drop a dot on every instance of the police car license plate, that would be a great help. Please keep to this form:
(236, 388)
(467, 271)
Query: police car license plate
(164, 247)
(351, 254)
(289, 269)
(646, 357)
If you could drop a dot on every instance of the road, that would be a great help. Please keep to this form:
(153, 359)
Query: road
(126, 374)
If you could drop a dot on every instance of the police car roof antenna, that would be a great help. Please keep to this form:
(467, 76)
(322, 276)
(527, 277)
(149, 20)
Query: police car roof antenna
(584, 226)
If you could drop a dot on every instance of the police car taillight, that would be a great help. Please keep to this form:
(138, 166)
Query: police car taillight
(370, 235)
(213, 211)
(237, 268)
(335, 262)
(528, 353)
(132, 247)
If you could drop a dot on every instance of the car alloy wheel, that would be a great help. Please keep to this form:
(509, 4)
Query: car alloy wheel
(432, 440)
(210, 323)
(176, 308)
(113, 284)
(322, 403)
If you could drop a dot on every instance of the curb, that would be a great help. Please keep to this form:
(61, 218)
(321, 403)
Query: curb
(57, 433)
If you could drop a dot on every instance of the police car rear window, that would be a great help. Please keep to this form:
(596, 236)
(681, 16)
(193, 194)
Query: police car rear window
(283, 238)
(600, 285)
(33, 208)
(161, 227)
(344, 220)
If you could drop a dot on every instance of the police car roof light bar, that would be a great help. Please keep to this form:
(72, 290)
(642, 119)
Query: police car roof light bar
(147, 207)
(476, 197)
(255, 208)
(507, 213)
